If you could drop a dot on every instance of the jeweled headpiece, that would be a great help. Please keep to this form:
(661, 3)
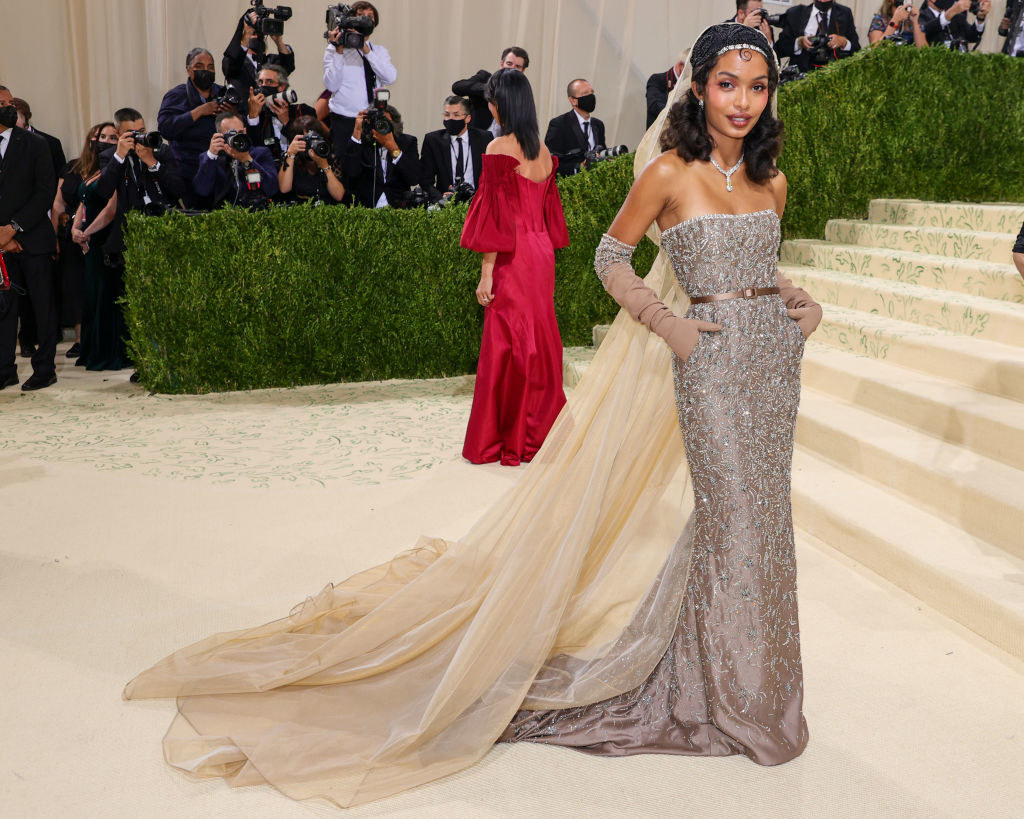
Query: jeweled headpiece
(717, 40)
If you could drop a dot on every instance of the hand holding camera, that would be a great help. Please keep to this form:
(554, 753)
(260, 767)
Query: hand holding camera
(210, 108)
(346, 29)
(256, 103)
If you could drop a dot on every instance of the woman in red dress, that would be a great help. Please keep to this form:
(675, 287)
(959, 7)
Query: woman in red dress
(516, 221)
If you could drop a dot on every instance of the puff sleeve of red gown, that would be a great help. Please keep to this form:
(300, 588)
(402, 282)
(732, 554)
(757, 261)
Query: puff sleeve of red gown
(490, 226)
(554, 216)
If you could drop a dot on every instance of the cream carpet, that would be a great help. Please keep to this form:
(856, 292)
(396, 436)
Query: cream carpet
(139, 523)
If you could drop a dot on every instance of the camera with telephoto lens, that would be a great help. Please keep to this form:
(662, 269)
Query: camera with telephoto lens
(270, 20)
(316, 144)
(790, 73)
(819, 52)
(376, 118)
(355, 28)
(151, 139)
(238, 141)
(231, 96)
(288, 97)
(776, 20)
(603, 154)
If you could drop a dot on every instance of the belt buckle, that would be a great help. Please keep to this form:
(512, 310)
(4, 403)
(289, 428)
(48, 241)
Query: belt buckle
(749, 293)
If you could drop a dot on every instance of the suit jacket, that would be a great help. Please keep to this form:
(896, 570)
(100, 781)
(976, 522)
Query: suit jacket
(238, 69)
(262, 133)
(56, 152)
(132, 182)
(958, 29)
(566, 141)
(27, 187)
(214, 182)
(840, 22)
(473, 89)
(188, 139)
(436, 160)
(364, 176)
(658, 88)
(1014, 11)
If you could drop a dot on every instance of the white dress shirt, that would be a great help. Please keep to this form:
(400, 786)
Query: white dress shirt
(278, 129)
(812, 29)
(5, 138)
(588, 130)
(345, 79)
(467, 158)
(944, 22)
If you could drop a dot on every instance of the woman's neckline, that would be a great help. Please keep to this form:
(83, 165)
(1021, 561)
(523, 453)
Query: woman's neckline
(518, 162)
(718, 216)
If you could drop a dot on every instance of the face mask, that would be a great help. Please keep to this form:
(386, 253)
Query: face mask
(8, 116)
(267, 90)
(587, 104)
(826, 6)
(945, 5)
(454, 126)
(203, 80)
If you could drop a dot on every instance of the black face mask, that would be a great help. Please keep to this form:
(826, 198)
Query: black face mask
(587, 104)
(203, 80)
(945, 5)
(267, 90)
(454, 126)
(8, 116)
(826, 6)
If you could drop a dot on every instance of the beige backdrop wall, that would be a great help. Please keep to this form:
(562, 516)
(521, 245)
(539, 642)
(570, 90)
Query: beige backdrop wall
(78, 60)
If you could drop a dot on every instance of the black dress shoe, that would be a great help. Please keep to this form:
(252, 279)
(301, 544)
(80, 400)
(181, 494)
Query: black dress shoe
(135, 377)
(74, 351)
(36, 382)
(10, 381)
(28, 350)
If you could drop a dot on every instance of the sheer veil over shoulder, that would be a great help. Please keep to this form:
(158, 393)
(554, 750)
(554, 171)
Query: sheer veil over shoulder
(412, 670)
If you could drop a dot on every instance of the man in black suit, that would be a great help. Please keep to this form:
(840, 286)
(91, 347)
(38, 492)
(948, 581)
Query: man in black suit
(453, 154)
(56, 149)
(381, 174)
(270, 121)
(27, 242)
(824, 18)
(574, 133)
(753, 13)
(945, 22)
(230, 176)
(246, 54)
(659, 86)
(473, 88)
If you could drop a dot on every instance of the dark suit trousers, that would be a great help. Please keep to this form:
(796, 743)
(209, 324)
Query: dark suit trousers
(341, 133)
(33, 273)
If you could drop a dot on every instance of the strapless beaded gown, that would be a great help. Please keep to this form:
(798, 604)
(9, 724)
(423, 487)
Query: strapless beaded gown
(730, 681)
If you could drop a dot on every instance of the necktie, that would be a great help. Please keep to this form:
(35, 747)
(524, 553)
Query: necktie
(586, 134)
(460, 163)
(821, 23)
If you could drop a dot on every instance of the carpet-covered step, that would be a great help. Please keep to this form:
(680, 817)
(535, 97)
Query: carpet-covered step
(979, 495)
(983, 423)
(989, 218)
(956, 312)
(575, 361)
(992, 280)
(961, 576)
(960, 244)
(983, 365)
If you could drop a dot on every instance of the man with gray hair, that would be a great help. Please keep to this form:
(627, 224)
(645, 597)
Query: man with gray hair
(187, 113)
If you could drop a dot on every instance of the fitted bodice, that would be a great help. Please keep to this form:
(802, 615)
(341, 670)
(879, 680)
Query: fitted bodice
(721, 252)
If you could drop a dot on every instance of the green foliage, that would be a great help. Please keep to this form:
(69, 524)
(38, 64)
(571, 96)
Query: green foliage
(901, 122)
(235, 300)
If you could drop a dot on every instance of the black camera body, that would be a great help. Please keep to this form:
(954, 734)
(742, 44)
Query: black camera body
(603, 154)
(974, 7)
(355, 28)
(819, 52)
(238, 141)
(316, 144)
(270, 20)
(149, 139)
(376, 117)
(231, 96)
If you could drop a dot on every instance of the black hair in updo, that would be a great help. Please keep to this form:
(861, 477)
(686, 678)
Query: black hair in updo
(686, 129)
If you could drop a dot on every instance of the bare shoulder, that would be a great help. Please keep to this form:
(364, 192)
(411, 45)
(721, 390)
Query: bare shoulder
(664, 171)
(780, 187)
(504, 145)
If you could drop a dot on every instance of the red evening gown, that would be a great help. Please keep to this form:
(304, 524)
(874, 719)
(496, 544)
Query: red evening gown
(518, 390)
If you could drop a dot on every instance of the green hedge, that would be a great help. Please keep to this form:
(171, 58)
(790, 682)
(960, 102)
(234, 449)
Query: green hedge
(291, 296)
(898, 121)
(235, 300)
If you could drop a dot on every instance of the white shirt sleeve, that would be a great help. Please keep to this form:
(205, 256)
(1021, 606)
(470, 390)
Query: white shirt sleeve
(380, 61)
(332, 69)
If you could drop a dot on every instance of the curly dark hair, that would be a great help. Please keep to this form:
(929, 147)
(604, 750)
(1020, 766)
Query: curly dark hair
(686, 129)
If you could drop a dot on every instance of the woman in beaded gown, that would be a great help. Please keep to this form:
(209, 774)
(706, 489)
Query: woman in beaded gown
(574, 612)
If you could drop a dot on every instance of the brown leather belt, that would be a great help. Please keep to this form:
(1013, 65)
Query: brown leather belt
(745, 293)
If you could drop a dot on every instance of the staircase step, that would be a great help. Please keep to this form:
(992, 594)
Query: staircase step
(984, 365)
(575, 361)
(989, 217)
(981, 496)
(957, 574)
(956, 312)
(961, 244)
(600, 332)
(983, 423)
(992, 280)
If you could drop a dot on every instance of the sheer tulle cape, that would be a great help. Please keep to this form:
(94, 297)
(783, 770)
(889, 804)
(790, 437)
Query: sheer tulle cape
(565, 592)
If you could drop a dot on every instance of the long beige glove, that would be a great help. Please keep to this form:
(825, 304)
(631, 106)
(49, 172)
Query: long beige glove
(612, 263)
(799, 305)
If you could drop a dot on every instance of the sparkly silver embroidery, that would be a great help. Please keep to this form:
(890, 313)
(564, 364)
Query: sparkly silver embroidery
(611, 251)
(731, 679)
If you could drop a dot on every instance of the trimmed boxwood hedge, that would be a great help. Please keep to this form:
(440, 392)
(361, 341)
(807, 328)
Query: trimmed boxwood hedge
(237, 300)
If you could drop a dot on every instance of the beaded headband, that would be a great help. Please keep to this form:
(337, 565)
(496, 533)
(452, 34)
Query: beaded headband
(725, 37)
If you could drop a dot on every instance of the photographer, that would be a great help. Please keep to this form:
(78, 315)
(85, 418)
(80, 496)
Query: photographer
(187, 114)
(575, 133)
(246, 54)
(816, 34)
(753, 13)
(659, 86)
(1012, 28)
(945, 22)
(452, 156)
(353, 68)
(232, 171)
(898, 22)
(270, 116)
(306, 174)
(380, 171)
(474, 88)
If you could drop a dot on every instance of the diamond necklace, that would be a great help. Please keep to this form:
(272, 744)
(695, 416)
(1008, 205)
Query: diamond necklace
(727, 173)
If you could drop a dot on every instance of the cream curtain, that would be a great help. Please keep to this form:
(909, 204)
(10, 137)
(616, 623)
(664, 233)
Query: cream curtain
(76, 61)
